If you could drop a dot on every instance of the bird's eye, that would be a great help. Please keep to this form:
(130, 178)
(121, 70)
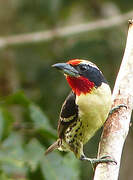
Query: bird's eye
(83, 68)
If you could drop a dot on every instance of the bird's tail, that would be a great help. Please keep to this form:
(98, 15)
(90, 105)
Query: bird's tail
(54, 146)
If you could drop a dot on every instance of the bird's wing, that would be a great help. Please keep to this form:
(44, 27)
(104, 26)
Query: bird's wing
(69, 114)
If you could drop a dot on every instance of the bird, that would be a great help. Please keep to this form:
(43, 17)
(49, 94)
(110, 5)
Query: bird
(85, 109)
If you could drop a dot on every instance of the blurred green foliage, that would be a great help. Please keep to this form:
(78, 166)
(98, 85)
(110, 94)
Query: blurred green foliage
(22, 148)
(31, 92)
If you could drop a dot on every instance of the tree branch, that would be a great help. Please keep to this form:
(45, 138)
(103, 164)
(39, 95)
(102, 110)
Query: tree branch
(117, 125)
(64, 32)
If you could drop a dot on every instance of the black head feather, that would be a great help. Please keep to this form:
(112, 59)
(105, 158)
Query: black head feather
(91, 72)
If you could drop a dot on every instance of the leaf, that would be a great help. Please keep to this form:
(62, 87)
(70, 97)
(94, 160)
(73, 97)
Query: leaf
(12, 155)
(57, 167)
(38, 118)
(17, 159)
(17, 98)
(6, 121)
(40, 121)
(3, 176)
(1, 124)
(34, 152)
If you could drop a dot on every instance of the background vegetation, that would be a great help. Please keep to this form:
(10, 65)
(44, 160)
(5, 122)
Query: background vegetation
(31, 92)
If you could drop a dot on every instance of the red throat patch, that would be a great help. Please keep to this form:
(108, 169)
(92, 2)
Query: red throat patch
(80, 85)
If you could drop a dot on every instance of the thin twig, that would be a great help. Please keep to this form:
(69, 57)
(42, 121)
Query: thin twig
(117, 125)
(64, 31)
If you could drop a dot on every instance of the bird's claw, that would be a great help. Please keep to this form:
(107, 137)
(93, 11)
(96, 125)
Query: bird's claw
(103, 159)
(116, 108)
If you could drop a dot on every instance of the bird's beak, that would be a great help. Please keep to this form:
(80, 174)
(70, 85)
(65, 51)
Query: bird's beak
(67, 69)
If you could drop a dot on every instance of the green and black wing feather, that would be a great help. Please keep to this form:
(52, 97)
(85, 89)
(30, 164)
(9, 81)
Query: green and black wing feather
(69, 114)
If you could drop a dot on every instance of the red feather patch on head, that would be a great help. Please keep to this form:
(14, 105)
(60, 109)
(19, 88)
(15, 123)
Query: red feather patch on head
(80, 84)
(74, 62)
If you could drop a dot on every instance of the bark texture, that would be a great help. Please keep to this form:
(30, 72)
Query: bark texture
(117, 125)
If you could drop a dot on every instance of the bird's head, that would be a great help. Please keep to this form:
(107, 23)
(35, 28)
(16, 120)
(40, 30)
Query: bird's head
(82, 75)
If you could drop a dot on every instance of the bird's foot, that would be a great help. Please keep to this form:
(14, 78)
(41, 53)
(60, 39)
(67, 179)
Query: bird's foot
(95, 161)
(116, 108)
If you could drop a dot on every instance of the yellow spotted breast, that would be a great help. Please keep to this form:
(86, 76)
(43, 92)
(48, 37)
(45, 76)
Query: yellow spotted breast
(94, 108)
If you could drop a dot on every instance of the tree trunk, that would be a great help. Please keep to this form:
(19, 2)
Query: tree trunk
(117, 125)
